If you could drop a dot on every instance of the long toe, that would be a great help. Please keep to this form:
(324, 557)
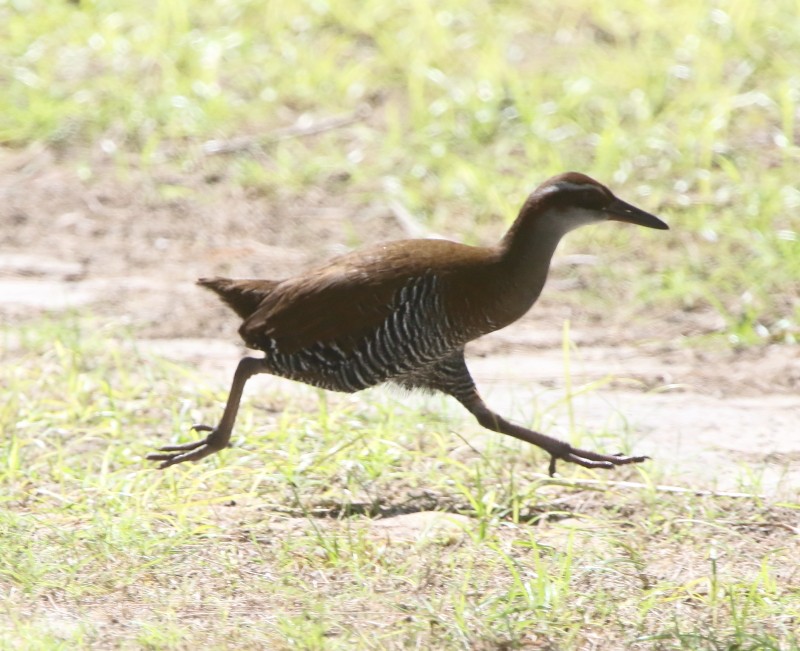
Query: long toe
(192, 445)
(166, 459)
(155, 456)
(175, 457)
(194, 455)
(623, 459)
(607, 460)
(589, 459)
(169, 455)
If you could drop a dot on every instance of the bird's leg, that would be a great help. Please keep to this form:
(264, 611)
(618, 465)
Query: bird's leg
(452, 376)
(556, 448)
(220, 435)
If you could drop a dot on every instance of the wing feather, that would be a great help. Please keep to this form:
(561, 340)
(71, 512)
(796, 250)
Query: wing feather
(351, 296)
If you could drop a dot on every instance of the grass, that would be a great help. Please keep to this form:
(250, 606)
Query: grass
(274, 544)
(345, 523)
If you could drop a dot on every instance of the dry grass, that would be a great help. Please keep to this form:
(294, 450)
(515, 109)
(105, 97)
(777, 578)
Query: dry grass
(346, 526)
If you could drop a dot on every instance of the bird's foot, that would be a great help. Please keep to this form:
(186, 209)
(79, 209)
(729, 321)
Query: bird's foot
(214, 442)
(589, 459)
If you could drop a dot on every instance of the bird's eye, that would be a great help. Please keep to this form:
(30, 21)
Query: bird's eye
(591, 198)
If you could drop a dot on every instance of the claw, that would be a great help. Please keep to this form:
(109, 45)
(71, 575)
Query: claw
(194, 450)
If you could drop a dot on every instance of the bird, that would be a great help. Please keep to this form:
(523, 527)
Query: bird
(401, 312)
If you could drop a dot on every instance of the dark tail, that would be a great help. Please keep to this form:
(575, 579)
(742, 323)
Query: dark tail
(242, 296)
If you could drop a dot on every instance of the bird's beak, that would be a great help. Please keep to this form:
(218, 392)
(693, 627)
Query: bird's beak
(625, 212)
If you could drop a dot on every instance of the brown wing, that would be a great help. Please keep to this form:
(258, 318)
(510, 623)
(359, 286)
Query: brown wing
(340, 305)
(349, 297)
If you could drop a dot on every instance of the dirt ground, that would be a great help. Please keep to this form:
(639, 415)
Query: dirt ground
(129, 251)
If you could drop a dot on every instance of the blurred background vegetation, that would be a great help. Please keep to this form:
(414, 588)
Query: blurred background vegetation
(456, 109)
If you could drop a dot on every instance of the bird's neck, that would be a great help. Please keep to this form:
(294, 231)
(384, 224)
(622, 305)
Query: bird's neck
(526, 252)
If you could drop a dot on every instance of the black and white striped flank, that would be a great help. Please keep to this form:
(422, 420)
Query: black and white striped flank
(416, 334)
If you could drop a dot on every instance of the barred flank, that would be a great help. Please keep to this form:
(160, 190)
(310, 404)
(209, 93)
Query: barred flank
(416, 335)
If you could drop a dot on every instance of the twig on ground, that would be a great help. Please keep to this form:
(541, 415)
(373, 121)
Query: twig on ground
(411, 225)
(768, 525)
(661, 488)
(299, 129)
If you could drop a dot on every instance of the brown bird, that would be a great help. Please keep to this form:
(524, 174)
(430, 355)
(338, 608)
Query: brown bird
(403, 311)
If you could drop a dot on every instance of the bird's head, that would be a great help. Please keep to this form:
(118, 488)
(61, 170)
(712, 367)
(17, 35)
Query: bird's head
(570, 200)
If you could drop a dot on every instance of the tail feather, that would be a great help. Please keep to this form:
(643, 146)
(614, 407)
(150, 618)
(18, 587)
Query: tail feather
(242, 296)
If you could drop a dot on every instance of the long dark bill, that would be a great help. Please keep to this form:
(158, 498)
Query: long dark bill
(621, 211)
